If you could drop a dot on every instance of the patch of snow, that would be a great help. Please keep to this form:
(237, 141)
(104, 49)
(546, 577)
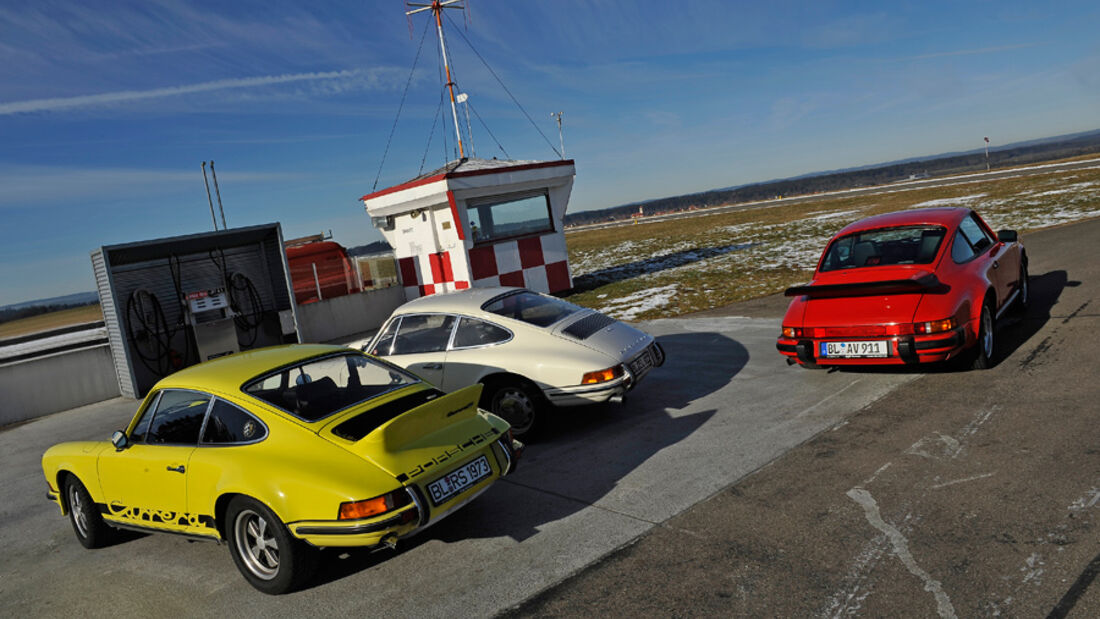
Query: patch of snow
(833, 215)
(632, 305)
(957, 201)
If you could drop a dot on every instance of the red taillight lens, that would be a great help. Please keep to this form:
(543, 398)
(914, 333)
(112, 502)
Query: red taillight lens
(602, 376)
(935, 326)
(792, 332)
(353, 510)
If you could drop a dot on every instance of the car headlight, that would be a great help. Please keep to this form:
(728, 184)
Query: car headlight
(935, 326)
(602, 376)
(354, 510)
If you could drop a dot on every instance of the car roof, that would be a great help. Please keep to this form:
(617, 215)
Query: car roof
(468, 300)
(942, 216)
(228, 373)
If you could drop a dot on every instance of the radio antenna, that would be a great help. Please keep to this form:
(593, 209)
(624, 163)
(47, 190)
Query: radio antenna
(436, 7)
(208, 199)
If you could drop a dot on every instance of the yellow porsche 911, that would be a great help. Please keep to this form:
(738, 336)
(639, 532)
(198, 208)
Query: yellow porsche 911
(280, 451)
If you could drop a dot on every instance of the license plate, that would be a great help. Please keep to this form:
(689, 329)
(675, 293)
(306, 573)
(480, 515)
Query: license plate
(641, 363)
(442, 489)
(856, 350)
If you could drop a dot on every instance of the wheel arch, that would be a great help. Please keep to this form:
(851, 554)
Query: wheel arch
(496, 378)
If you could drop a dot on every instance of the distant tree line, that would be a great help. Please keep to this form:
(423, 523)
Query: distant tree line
(849, 179)
(8, 315)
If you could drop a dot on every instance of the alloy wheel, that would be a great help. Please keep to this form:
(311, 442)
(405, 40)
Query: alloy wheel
(256, 544)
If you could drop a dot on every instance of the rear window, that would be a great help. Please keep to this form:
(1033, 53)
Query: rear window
(885, 246)
(316, 388)
(530, 307)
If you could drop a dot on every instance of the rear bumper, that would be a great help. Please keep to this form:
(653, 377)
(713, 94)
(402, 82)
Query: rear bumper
(419, 514)
(578, 395)
(904, 350)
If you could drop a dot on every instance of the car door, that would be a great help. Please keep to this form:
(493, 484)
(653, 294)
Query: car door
(474, 352)
(418, 343)
(146, 481)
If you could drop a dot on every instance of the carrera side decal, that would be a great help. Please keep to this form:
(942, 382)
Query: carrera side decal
(152, 517)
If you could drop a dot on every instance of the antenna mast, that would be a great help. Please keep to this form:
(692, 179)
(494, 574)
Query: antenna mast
(436, 7)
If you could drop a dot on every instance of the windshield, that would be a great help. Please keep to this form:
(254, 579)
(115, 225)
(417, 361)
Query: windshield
(316, 388)
(885, 246)
(531, 307)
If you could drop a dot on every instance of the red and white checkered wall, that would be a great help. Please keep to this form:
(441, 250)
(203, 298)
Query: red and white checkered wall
(539, 263)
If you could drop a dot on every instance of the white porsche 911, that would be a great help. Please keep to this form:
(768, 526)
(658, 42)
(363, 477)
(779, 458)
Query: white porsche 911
(531, 351)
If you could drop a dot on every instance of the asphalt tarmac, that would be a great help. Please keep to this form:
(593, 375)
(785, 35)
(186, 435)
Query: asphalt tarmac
(727, 484)
(961, 494)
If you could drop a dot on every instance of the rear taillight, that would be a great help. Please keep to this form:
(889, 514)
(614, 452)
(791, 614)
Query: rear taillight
(792, 332)
(354, 510)
(602, 376)
(935, 326)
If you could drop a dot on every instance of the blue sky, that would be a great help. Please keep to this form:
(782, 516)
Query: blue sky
(107, 109)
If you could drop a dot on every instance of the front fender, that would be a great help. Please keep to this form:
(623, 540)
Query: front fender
(76, 458)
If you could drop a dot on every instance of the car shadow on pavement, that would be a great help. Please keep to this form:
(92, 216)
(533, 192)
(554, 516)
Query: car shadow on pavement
(585, 454)
(1014, 329)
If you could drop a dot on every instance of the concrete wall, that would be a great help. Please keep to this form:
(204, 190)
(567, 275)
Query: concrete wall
(44, 385)
(55, 382)
(332, 319)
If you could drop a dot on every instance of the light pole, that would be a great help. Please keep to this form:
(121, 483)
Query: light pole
(987, 154)
(561, 140)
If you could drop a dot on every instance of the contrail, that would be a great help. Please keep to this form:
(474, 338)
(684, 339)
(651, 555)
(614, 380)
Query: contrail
(45, 105)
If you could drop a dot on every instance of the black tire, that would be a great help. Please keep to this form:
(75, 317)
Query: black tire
(516, 402)
(982, 355)
(90, 528)
(1025, 290)
(267, 555)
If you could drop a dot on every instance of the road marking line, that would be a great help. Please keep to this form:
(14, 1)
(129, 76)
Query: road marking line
(901, 550)
(960, 481)
(870, 479)
(950, 447)
(1090, 499)
(827, 398)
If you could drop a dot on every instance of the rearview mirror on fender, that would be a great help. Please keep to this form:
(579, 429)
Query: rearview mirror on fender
(118, 439)
(1007, 236)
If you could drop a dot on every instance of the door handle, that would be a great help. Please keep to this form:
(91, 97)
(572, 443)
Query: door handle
(176, 469)
(433, 366)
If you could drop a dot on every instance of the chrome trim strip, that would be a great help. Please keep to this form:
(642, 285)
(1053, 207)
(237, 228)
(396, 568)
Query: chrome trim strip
(1007, 304)
(422, 513)
(369, 527)
(581, 389)
(213, 537)
(507, 454)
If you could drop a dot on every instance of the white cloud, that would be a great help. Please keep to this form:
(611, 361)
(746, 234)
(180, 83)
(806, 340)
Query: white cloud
(26, 185)
(60, 103)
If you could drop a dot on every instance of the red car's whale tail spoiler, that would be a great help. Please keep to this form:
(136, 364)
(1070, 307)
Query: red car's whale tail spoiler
(925, 284)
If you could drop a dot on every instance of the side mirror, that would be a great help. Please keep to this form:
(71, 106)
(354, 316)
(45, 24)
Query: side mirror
(1007, 236)
(119, 440)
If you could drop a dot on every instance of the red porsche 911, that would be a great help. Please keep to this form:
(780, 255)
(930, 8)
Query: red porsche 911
(917, 286)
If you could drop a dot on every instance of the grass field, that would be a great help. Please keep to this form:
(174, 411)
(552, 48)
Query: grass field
(670, 268)
(53, 320)
(663, 269)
